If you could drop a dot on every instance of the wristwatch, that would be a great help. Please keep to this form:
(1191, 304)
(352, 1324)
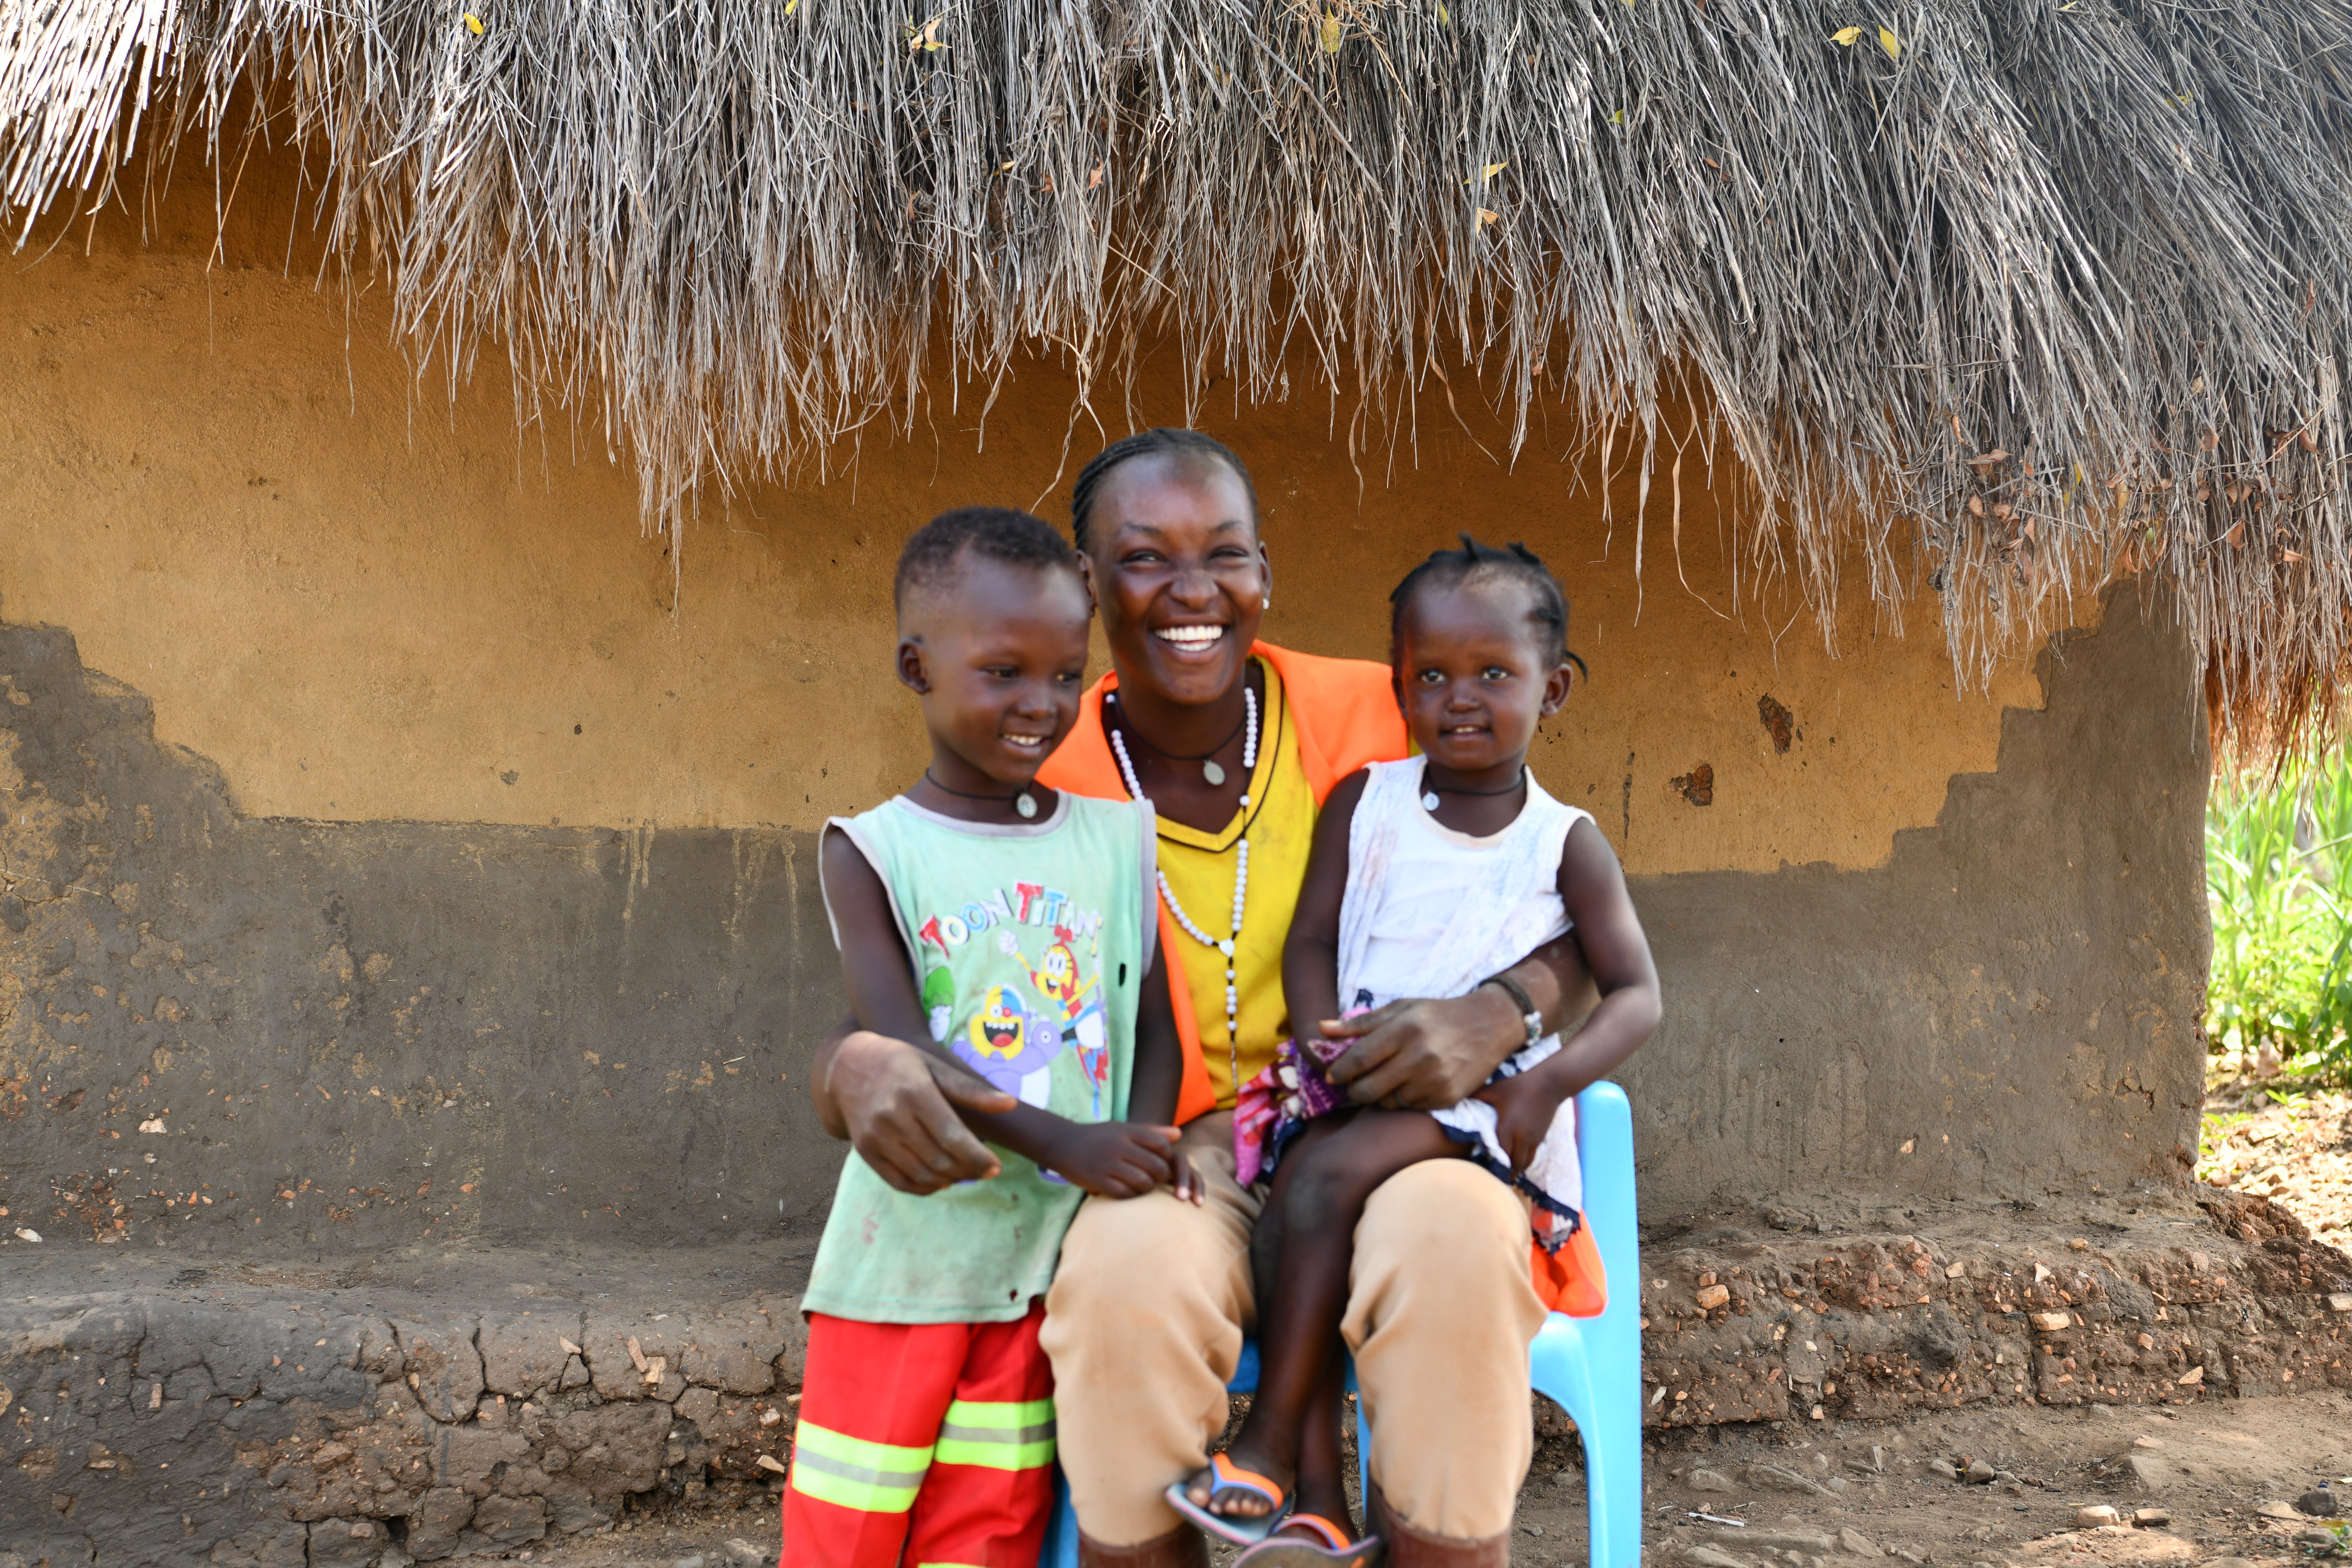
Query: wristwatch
(1530, 1014)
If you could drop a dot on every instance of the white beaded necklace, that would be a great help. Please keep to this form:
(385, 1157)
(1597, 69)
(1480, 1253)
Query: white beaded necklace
(1241, 878)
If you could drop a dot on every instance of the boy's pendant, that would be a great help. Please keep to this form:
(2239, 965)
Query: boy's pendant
(1429, 802)
(1025, 804)
(1212, 772)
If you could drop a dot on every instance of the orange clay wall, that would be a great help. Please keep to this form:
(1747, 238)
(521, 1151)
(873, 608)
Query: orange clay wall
(363, 604)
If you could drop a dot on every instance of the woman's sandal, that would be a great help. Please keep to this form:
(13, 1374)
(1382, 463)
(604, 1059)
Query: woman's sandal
(1229, 1480)
(1334, 1550)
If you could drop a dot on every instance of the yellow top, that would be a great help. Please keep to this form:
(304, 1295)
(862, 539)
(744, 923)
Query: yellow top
(1280, 824)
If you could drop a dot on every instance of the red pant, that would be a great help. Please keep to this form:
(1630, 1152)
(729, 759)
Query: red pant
(925, 1444)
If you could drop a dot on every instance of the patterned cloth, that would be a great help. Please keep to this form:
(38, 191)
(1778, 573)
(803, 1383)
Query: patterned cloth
(1283, 1097)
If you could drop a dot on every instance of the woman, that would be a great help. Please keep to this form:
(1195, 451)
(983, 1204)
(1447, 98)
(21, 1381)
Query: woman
(1236, 744)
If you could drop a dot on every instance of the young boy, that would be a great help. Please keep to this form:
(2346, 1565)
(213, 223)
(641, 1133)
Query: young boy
(1010, 929)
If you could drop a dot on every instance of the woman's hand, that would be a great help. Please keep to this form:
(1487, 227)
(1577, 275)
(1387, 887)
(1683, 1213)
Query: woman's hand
(1423, 1055)
(896, 1104)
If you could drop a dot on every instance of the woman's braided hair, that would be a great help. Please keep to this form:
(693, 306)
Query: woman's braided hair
(1146, 444)
(1517, 563)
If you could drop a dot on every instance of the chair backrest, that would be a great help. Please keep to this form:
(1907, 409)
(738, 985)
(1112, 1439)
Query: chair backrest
(1605, 1146)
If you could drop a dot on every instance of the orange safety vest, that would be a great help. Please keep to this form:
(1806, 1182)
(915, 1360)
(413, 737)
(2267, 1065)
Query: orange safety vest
(1344, 712)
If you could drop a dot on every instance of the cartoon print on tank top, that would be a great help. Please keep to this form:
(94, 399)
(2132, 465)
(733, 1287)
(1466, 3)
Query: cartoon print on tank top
(939, 1002)
(1010, 1046)
(1058, 979)
(1011, 1036)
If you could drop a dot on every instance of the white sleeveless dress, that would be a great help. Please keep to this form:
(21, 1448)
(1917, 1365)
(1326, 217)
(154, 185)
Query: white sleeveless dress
(1431, 913)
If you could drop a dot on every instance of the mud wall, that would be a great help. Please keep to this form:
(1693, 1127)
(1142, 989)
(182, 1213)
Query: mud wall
(2008, 1006)
(395, 826)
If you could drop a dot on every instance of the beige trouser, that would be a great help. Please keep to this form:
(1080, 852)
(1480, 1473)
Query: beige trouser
(1144, 1326)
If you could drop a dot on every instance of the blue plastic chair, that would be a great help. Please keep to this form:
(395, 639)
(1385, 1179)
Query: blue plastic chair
(1591, 1367)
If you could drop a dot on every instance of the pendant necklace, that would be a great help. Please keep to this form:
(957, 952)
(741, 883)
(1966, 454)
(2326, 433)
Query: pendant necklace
(1429, 791)
(1185, 922)
(1212, 770)
(1024, 802)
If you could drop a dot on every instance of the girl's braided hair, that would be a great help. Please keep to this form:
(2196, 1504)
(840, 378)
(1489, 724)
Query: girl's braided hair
(1146, 444)
(1518, 564)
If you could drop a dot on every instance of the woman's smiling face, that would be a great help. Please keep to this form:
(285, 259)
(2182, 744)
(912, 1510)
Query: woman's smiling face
(1179, 574)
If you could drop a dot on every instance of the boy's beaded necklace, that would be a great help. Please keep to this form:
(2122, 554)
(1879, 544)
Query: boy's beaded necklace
(1215, 775)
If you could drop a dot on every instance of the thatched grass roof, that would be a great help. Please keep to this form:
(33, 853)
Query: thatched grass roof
(2012, 294)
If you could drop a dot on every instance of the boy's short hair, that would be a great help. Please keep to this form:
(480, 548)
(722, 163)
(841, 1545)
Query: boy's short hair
(1479, 559)
(992, 533)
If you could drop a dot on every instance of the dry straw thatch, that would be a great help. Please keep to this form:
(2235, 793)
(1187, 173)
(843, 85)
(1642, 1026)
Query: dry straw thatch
(2010, 295)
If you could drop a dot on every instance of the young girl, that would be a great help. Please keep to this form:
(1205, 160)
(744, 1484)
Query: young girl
(1428, 877)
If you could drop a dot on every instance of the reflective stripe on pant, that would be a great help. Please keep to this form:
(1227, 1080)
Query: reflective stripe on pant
(931, 1445)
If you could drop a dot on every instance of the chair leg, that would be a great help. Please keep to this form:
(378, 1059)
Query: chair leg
(1619, 1480)
(1061, 1546)
(1597, 1472)
(1363, 1456)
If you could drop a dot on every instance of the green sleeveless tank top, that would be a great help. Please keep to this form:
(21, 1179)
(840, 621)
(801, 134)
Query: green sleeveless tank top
(1029, 944)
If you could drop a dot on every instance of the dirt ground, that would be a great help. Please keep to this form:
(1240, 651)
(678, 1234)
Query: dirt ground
(1851, 1491)
(2226, 1474)
(2294, 1148)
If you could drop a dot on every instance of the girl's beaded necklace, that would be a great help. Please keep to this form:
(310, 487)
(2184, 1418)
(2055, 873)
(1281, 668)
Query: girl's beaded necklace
(1215, 775)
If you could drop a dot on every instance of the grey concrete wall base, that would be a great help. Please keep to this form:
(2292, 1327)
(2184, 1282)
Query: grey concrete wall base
(154, 1423)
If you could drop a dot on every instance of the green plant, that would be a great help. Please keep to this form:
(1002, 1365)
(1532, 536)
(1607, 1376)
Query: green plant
(2212, 1143)
(2278, 880)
